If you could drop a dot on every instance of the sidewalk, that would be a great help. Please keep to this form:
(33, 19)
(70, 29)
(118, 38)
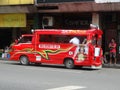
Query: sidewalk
(117, 66)
(3, 58)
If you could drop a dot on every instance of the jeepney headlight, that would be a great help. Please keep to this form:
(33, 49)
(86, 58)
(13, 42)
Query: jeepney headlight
(70, 52)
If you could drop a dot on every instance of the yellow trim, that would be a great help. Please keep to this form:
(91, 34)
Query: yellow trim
(13, 20)
(16, 2)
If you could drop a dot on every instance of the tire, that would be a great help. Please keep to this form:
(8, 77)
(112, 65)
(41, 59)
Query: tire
(69, 63)
(24, 60)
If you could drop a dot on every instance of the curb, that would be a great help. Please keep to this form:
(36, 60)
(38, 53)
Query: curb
(111, 66)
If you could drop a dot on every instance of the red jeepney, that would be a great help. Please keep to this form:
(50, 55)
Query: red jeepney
(53, 46)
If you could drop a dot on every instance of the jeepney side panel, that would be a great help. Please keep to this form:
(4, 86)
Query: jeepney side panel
(55, 53)
(89, 59)
(85, 59)
(51, 52)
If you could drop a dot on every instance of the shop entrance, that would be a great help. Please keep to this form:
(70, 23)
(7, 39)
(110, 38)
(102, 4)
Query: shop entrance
(5, 37)
(110, 26)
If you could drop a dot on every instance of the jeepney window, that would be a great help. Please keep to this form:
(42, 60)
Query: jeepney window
(26, 39)
(99, 42)
(94, 40)
(46, 38)
(60, 38)
(54, 38)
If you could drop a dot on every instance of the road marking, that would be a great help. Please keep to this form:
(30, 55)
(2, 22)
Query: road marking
(68, 88)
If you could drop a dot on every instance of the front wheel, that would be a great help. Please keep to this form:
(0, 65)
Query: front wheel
(69, 63)
(24, 60)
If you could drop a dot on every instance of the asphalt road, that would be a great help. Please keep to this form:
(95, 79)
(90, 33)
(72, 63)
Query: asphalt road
(14, 76)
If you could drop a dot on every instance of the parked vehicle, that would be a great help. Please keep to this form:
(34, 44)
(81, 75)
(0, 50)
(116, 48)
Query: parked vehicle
(53, 46)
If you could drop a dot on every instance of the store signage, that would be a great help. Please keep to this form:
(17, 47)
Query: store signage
(16, 2)
(106, 1)
(76, 23)
(58, 1)
(12, 20)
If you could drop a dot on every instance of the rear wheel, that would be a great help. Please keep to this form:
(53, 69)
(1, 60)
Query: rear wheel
(69, 63)
(24, 60)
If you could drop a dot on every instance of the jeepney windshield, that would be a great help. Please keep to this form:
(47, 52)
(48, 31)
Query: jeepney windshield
(25, 39)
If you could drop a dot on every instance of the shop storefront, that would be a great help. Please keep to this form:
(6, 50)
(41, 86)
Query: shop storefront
(8, 24)
(14, 21)
(13, 25)
(111, 27)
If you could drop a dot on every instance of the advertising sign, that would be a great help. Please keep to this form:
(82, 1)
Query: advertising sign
(106, 1)
(16, 2)
(59, 1)
(12, 20)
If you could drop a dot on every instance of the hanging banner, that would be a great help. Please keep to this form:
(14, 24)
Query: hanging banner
(16, 2)
(59, 1)
(12, 20)
(106, 1)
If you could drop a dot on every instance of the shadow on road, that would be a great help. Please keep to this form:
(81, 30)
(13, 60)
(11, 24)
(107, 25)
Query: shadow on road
(59, 66)
(117, 66)
(46, 65)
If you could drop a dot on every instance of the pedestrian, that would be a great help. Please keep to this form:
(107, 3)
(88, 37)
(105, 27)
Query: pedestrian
(6, 51)
(76, 42)
(112, 52)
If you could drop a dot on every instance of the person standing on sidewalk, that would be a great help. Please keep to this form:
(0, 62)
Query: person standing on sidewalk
(112, 48)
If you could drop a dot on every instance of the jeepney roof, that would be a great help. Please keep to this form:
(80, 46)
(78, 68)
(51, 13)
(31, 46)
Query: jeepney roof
(27, 35)
(68, 32)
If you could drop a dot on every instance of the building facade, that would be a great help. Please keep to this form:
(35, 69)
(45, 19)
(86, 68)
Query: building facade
(79, 14)
(16, 17)
(60, 14)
